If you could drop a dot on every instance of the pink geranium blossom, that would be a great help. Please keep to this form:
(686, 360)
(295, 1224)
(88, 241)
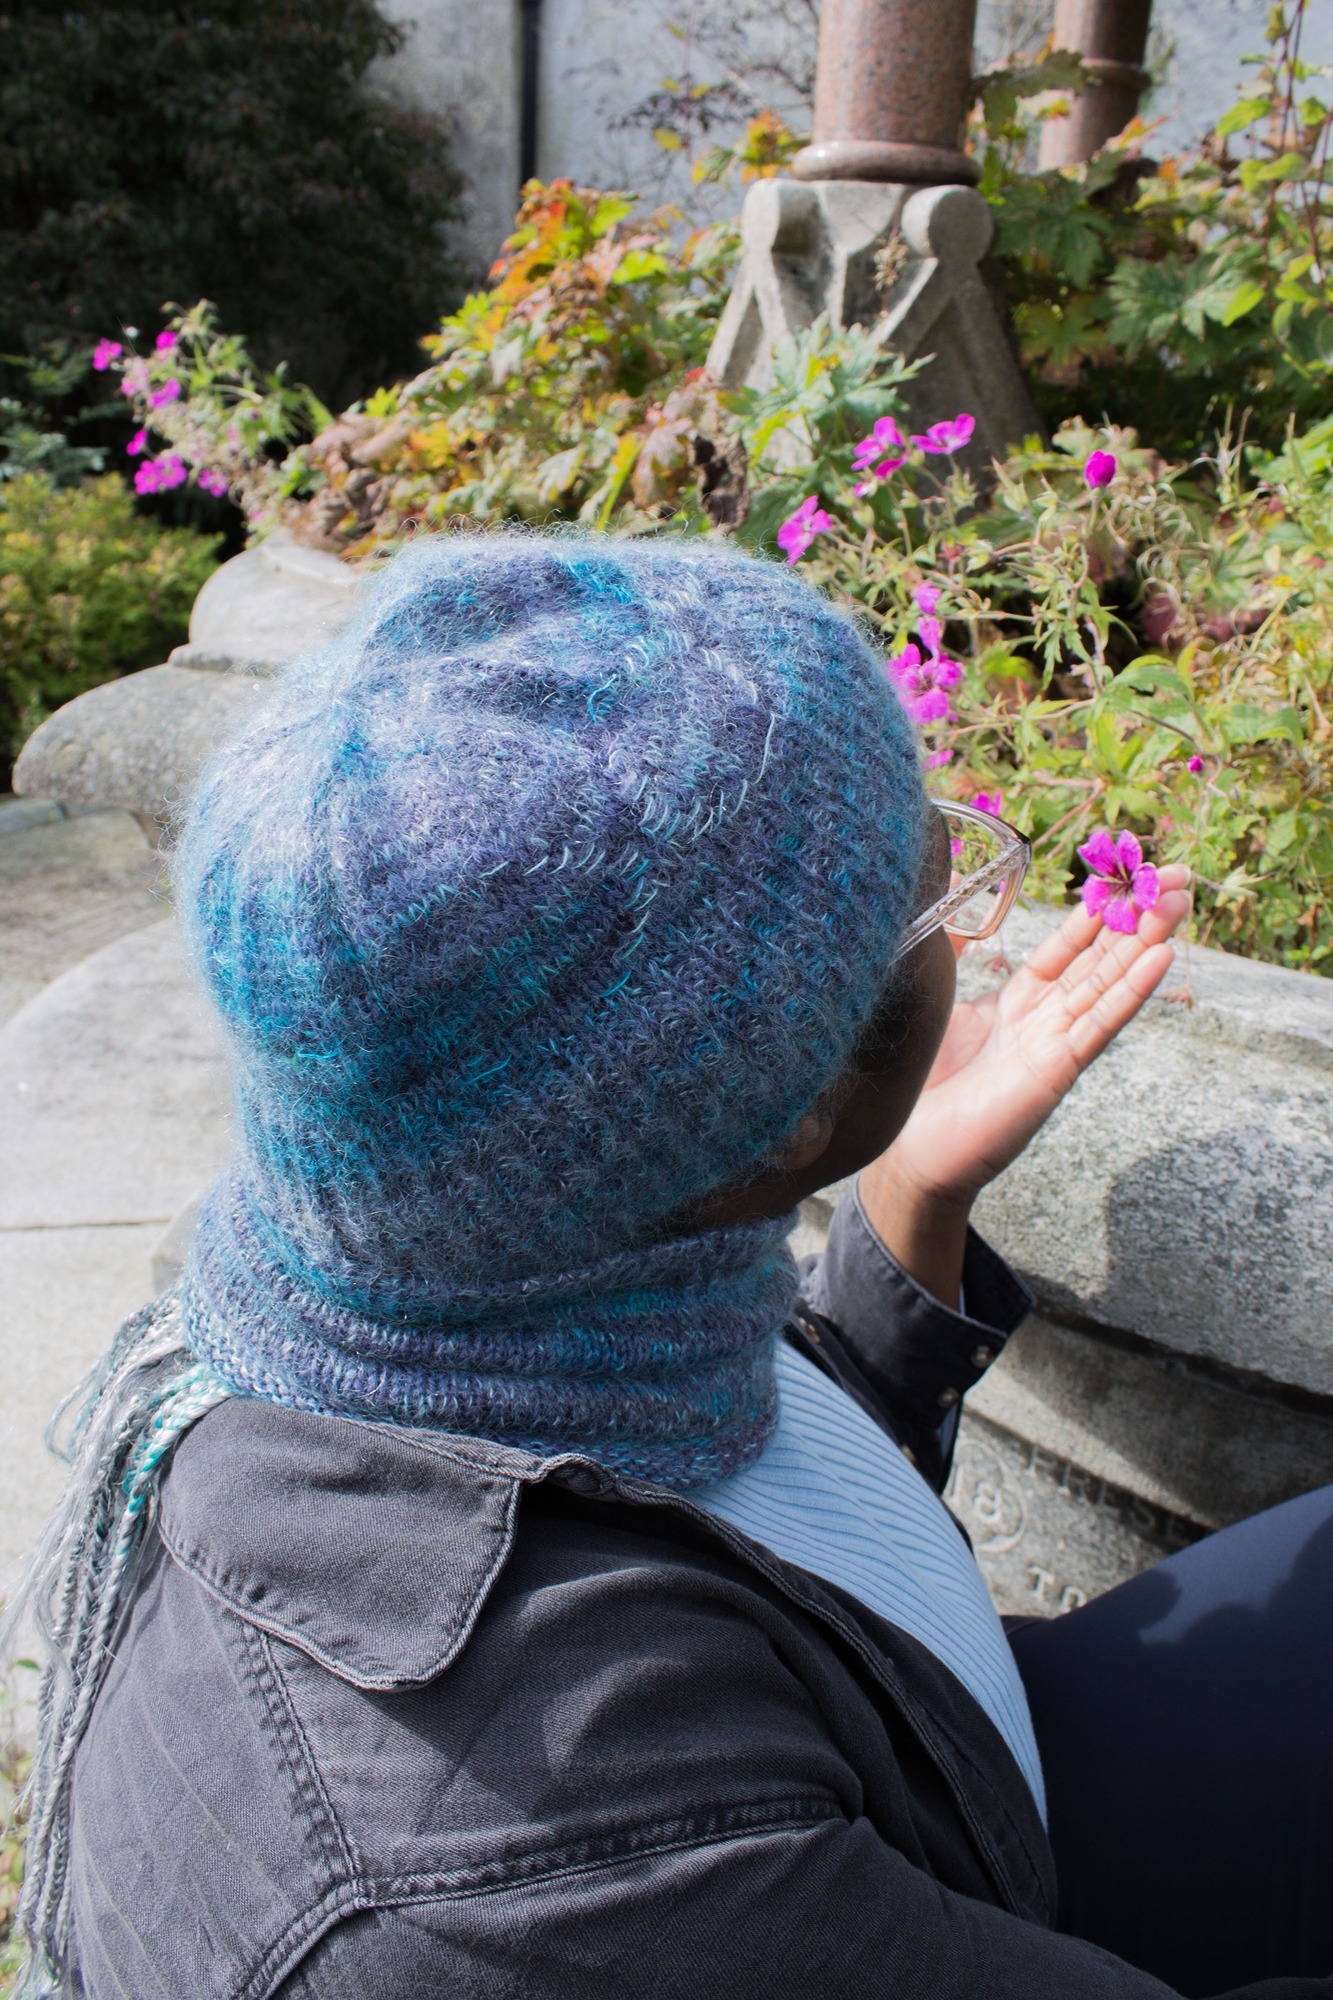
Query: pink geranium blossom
(168, 393)
(922, 683)
(166, 339)
(1195, 764)
(989, 802)
(137, 445)
(926, 598)
(159, 475)
(938, 758)
(213, 482)
(105, 352)
(879, 454)
(1100, 468)
(949, 436)
(1122, 885)
(796, 534)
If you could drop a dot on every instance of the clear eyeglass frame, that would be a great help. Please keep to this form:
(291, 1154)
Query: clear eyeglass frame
(990, 861)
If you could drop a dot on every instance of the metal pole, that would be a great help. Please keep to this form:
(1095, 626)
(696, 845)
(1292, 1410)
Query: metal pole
(1111, 36)
(892, 91)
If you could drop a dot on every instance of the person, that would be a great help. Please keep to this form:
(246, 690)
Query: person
(497, 1570)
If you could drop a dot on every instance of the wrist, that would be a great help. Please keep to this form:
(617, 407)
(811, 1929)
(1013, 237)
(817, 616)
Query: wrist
(924, 1228)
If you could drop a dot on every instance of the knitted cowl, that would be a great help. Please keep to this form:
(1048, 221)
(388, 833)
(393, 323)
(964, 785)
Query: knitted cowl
(540, 904)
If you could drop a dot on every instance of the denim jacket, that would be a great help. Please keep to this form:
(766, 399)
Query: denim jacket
(404, 1716)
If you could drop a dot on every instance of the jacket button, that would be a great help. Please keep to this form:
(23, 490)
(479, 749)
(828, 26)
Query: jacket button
(947, 1398)
(982, 1356)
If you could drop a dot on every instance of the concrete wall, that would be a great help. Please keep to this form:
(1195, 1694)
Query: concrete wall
(461, 58)
(603, 58)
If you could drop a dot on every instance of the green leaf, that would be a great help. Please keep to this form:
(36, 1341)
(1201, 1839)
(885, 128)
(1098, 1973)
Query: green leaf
(1244, 299)
(1240, 115)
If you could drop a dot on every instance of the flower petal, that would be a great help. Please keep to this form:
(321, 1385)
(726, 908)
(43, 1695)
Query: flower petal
(1146, 886)
(1096, 894)
(1128, 854)
(1121, 915)
(1099, 852)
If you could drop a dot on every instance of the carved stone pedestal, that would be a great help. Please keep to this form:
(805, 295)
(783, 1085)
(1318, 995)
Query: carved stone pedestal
(899, 260)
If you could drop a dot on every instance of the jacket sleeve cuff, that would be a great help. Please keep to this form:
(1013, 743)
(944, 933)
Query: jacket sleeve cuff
(919, 1355)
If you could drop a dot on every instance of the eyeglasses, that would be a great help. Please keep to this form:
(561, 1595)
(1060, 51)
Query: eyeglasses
(988, 859)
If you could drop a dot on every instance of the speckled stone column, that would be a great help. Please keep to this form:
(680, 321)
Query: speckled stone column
(1111, 36)
(892, 92)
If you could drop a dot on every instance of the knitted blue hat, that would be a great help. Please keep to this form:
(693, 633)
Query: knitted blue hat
(540, 904)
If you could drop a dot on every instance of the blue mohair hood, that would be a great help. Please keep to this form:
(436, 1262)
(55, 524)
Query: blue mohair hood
(543, 901)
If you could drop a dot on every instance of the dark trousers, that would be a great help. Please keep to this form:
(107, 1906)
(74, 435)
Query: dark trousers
(1186, 1729)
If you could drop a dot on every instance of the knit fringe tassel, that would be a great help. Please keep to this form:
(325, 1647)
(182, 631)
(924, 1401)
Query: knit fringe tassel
(132, 1409)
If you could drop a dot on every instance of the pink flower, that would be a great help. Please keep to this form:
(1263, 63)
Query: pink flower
(1100, 468)
(879, 454)
(159, 475)
(795, 535)
(213, 482)
(137, 444)
(164, 340)
(949, 436)
(936, 759)
(1122, 884)
(921, 684)
(105, 352)
(1194, 764)
(168, 393)
(989, 802)
(926, 597)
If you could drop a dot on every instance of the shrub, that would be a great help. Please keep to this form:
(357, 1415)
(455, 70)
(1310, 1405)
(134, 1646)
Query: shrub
(88, 590)
(152, 150)
(536, 401)
(1156, 653)
(1162, 293)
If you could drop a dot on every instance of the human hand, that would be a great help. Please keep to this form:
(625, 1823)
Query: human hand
(1008, 1058)
(1006, 1061)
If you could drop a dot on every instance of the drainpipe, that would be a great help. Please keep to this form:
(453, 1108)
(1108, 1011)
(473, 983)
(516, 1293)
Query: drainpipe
(1111, 36)
(529, 70)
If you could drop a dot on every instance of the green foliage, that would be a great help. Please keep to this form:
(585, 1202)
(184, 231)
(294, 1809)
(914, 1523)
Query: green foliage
(33, 421)
(535, 405)
(1106, 639)
(152, 150)
(1164, 293)
(88, 590)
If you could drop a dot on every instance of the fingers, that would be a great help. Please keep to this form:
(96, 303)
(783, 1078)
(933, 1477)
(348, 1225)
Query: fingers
(1115, 1006)
(1057, 953)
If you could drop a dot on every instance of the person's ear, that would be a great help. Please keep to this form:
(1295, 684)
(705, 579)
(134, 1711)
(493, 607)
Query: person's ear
(806, 1144)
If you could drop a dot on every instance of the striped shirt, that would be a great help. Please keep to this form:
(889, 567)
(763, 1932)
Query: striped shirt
(833, 1494)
